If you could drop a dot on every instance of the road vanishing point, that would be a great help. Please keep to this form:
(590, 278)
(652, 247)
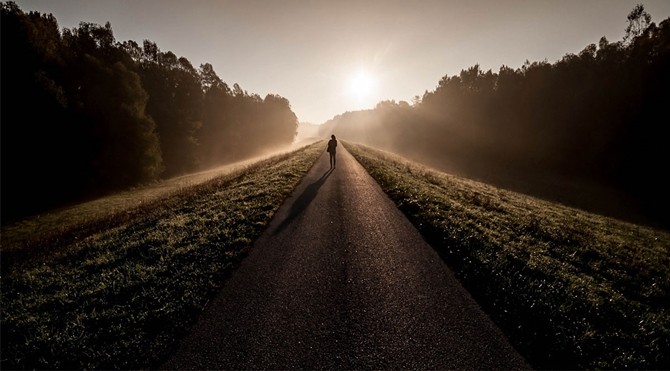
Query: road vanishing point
(342, 280)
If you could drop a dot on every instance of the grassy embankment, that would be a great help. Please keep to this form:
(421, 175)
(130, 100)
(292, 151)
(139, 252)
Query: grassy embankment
(572, 290)
(118, 294)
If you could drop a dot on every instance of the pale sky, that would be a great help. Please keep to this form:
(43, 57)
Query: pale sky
(331, 56)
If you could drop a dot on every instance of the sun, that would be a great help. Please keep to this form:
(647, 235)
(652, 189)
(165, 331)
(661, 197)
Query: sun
(361, 85)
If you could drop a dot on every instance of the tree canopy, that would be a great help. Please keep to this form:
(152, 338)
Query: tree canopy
(596, 116)
(84, 114)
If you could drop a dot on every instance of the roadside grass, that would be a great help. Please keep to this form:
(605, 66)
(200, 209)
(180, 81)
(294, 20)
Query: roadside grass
(572, 290)
(120, 294)
(35, 230)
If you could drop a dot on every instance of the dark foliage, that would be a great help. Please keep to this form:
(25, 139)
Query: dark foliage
(597, 117)
(83, 114)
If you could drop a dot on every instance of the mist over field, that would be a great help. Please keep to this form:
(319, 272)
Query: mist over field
(85, 114)
(588, 130)
(136, 180)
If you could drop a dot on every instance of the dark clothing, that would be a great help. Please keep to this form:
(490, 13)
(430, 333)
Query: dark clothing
(332, 144)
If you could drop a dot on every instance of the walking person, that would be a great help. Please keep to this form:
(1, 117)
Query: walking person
(332, 144)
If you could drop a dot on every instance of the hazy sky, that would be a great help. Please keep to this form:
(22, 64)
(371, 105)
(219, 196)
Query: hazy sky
(332, 56)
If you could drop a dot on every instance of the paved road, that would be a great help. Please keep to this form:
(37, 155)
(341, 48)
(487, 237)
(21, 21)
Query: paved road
(342, 280)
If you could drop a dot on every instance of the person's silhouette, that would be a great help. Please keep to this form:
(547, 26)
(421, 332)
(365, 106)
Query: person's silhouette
(332, 144)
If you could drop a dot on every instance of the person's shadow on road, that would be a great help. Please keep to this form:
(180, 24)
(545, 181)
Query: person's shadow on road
(301, 203)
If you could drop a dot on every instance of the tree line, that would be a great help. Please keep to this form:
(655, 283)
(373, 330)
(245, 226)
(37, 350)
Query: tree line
(84, 114)
(599, 115)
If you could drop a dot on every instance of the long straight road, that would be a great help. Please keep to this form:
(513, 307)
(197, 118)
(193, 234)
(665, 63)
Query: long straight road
(342, 280)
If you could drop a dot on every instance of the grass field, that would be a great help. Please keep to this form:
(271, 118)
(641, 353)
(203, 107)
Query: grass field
(572, 290)
(118, 292)
(58, 223)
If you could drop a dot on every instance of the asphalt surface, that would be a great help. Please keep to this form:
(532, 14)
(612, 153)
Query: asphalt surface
(342, 280)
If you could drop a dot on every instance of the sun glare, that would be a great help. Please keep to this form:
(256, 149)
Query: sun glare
(361, 85)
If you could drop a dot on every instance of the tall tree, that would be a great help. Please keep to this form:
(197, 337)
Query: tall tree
(92, 115)
(175, 104)
(638, 21)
